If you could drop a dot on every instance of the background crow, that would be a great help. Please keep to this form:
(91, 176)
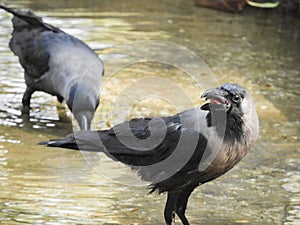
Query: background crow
(56, 63)
(194, 147)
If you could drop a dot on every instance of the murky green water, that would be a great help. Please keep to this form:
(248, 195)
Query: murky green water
(257, 49)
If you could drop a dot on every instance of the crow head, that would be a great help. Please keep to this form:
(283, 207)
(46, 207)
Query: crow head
(83, 103)
(228, 96)
(233, 99)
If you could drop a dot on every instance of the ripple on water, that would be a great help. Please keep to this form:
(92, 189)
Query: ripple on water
(43, 186)
(3, 162)
(292, 211)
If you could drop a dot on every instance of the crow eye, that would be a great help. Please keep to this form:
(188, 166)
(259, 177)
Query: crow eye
(236, 98)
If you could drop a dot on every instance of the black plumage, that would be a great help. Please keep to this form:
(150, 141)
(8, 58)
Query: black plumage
(178, 153)
(56, 63)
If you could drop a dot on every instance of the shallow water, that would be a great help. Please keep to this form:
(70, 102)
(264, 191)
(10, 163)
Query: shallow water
(149, 51)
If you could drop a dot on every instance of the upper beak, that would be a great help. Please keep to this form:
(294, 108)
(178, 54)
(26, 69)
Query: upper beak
(215, 95)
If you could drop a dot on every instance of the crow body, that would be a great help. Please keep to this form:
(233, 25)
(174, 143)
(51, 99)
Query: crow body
(56, 63)
(180, 152)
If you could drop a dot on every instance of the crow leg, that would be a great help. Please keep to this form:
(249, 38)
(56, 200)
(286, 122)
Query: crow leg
(170, 208)
(181, 204)
(26, 100)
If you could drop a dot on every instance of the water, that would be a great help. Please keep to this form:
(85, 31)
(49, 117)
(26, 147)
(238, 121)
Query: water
(256, 48)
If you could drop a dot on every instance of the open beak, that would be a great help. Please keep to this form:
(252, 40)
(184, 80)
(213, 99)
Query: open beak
(215, 97)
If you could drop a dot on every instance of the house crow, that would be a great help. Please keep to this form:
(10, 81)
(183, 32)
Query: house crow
(180, 152)
(56, 63)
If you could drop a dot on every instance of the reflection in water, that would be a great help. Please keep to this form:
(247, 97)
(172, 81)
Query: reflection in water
(257, 49)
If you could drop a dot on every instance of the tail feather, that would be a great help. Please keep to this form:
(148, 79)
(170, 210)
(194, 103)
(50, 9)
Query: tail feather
(60, 143)
(83, 141)
(30, 18)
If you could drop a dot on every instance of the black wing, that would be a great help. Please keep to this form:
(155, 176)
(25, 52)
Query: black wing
(174, 162)
(162, 150)
(29, 41)
(142, 142)
(138, 142)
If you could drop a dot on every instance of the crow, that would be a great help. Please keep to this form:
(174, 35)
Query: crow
(180, 152)
(56, 63)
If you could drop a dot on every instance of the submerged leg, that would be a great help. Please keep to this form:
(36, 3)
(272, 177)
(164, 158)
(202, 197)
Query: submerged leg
(26, 100)
(170, 208)
(181, 204)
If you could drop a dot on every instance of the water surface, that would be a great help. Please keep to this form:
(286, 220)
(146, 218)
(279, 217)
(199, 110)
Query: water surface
(257, 49)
